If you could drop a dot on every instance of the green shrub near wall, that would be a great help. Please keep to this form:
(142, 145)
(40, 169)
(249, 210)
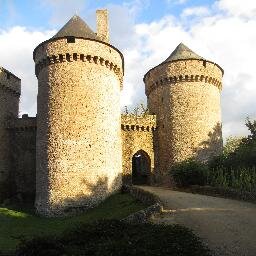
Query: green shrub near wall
(242, 179)
(189, 172)
(238, 152)
(235, 168)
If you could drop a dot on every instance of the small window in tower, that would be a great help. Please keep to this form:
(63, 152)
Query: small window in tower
(8, 75)
(71, 39)
(162, 99)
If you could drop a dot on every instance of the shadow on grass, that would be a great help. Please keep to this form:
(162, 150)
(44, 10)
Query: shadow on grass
(18, 224)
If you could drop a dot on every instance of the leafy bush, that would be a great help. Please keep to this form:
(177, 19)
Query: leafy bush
(238, 152)
(119, 238)
(236, 167)
(243, 157)
(232, 143)
(242, 179)
(189, 172)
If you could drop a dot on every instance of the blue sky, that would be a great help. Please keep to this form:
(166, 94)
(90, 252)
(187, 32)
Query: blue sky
(37, 13)
(146, 31)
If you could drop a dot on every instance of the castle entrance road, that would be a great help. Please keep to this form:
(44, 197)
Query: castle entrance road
(227, 226)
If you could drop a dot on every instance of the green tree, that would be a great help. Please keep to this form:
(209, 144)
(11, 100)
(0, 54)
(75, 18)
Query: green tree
(251, 125)
(238, 152)
(232, 143)
(139, 110)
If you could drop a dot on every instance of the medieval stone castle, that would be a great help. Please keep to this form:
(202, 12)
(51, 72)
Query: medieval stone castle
(79, 149)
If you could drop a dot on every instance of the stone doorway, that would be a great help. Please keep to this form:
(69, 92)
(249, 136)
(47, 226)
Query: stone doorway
(141, 168)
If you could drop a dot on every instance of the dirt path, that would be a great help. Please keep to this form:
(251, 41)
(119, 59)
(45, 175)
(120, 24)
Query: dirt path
(227, 226)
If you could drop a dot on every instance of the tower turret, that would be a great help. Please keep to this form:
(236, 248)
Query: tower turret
(78, 138)
(9, 108)
(184, 93)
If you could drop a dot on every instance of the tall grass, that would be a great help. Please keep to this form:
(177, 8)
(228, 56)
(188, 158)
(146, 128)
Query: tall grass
(243, 179)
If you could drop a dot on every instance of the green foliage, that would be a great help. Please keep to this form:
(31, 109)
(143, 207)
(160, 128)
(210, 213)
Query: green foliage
(139, 110)
(118, 238)
(243, 157)
(236, 167)
(231, 145)
(238, 152)
(251, 125)
(19, 223)
(189, 172)
(242, 179)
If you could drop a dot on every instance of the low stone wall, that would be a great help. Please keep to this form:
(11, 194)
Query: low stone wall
(146, 197)
(224, 192)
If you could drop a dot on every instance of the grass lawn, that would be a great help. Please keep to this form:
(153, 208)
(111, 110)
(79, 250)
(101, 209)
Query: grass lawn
(16, 224)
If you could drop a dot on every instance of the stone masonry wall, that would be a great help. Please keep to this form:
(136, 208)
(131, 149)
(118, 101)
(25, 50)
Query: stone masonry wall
(79, 158)
(185, 96)
(102, 25)
(23, 157)
(9, 108)
(137, 134)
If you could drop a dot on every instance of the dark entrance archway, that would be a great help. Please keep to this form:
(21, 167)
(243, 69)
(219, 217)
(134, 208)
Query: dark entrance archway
(141, 166)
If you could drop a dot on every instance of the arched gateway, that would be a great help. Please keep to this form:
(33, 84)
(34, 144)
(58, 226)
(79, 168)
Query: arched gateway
(141, 166)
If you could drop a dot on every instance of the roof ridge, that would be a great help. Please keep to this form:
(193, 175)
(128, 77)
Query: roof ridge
(182, 52)
(76, 27)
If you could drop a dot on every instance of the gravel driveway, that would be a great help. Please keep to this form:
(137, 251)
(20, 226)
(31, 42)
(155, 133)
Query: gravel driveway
(227, 226)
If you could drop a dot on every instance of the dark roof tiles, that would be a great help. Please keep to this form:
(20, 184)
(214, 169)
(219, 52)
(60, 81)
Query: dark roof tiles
(78, 28)
(182, 52)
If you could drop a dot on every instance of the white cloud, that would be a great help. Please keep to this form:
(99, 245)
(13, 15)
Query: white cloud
(17, 45)
(244, 8)
(63, 10)
(121, 33)
(226, 39)
(226, 35)
(195, 11)
(134, 7)
(176, 1)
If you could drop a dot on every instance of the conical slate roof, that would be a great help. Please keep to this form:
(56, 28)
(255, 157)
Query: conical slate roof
(76, 27)
(182, 52)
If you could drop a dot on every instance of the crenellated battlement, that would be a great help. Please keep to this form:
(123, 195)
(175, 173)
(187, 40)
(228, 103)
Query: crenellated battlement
(9, 82)
(76, 137)
(162, 81)
(184, 71)
(184, 92)
(79, 76)
(22, 124)
(144, 123)
(70, 57)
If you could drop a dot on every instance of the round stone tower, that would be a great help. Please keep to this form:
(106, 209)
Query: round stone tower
(79, 161)
(10, 89)
(184, 93)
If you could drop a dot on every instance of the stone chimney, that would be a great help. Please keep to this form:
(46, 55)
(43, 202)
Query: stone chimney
(102, 25)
